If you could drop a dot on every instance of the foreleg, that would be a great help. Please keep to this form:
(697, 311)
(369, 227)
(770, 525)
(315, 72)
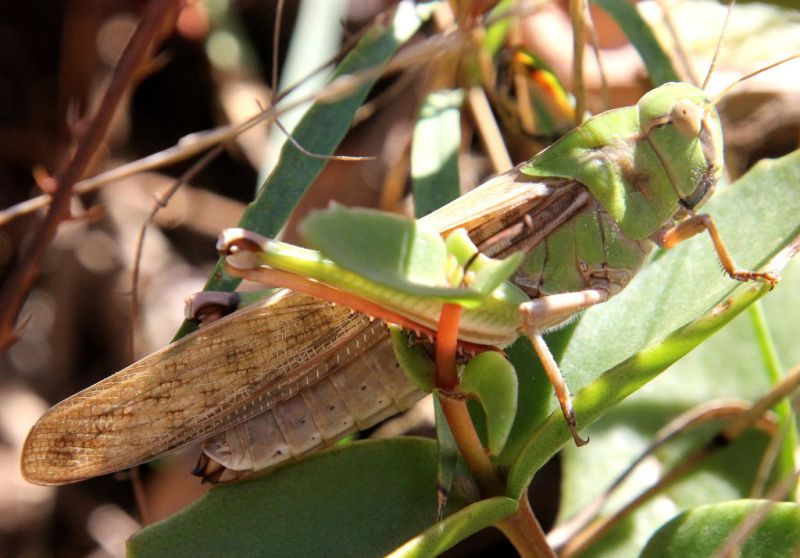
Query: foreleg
(671, 237)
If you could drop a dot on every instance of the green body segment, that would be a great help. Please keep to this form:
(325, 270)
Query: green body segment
(589, 251)
(637, 163)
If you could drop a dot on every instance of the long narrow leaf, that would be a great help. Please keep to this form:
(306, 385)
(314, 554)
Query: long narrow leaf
(434, 151)
(659, 66)
(320, 131)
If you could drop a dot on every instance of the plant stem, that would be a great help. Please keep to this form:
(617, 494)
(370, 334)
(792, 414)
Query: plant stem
(522, 528)
(470, 447)
(446, 344)
(775, 373)
(525, 532)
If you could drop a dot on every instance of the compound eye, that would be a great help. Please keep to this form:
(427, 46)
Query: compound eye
(687, 117)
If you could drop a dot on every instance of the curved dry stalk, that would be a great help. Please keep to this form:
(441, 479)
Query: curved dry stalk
(160, 201)
(731, 548)
(749, 418)
(488, 130)
(677, 43)
(682, 424)
(311, 155)
(577, 11)
(595, 44)
(276, 41)
(765, 467)
(783, 389)
(718, 48)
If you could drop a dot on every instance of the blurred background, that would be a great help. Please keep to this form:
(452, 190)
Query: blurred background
(215, 68)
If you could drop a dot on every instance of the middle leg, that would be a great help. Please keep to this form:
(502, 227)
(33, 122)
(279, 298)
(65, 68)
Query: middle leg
(544, 312)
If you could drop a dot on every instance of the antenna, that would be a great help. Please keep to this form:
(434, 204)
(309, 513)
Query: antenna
(713, 65)
(754, 73)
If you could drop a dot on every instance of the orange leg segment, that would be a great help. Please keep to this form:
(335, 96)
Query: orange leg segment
(698, 223)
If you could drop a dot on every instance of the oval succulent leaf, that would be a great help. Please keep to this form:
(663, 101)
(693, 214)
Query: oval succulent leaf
(484, 274)
(413, 359)
(703, 530)
(493, 381)
(386, 248)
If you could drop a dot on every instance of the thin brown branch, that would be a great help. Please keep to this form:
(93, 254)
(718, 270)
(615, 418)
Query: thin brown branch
(320, 156)
(686, 422)
(524, 530)
(601, 527)
(140, 496)
(767, 464)
(732, 545)
(276, 44)
(488, 130)
(677, 43)
(158, 18)
(160, 202)
(197, 142)
(595, 44)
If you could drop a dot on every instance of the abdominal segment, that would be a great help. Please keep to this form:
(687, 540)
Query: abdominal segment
(354, 397)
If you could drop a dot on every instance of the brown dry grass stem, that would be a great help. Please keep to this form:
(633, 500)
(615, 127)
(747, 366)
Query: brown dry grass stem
(740, 420)
(158, 18)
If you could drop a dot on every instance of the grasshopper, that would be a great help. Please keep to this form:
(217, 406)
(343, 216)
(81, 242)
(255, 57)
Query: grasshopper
(292, 374)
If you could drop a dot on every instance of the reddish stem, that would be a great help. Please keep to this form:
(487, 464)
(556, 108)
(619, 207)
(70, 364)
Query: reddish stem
(522, 528)
(446, 345)
(455, 407)
(525, 532)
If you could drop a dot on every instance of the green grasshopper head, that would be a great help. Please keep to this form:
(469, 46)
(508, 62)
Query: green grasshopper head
(682, 126)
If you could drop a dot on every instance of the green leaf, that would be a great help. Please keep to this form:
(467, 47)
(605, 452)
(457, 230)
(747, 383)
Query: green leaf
(669, 308)
(320, 131)
(413, 358)
(486, 273)
(702, 531)
(461, 246)
(658, 63)
(364, 499)
(496, 33)
(434, 151)
(491, 273)
(386, 248)
(726, 366)
(457, 527)
(493, 381)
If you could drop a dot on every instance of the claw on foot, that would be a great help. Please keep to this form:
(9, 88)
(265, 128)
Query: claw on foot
(572, 423)
(771, 279)
(577, 438)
